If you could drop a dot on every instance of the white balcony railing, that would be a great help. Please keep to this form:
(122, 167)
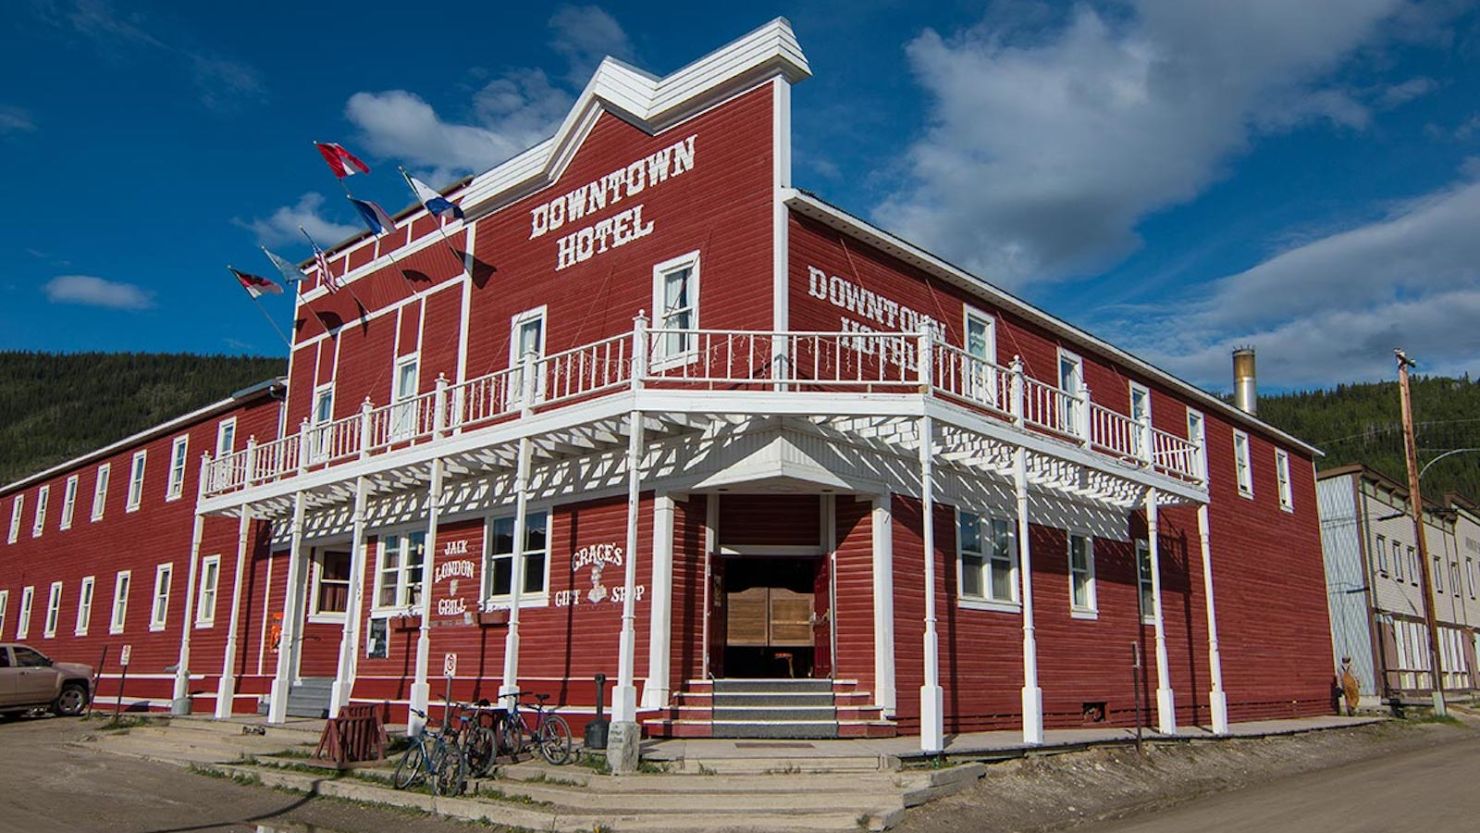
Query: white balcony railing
(729, 360)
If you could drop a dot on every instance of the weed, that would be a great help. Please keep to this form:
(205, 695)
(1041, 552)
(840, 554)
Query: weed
(704, 770)
(653, 767)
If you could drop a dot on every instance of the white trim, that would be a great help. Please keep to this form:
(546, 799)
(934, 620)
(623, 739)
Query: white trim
(660, 358)
(1199, 435)
(224, 448)
(404, 604)
(403, 419)
(17, 508)
(137, 469)
(101, 481)
(159, 614)
(86, 595)
(780, 216)
(69, 502)
(118, 612)
(988, 380)
(23, 616)
(205, 617)
(985, 532)
(539, 598)
(1092, 609)
(1243, 464)
(1071, 416)
(4, 608)
(1282, 478)
(516, 322)
(1144, 581)
(53, 611)
(43, 498)
(315, 581)
(179, 462)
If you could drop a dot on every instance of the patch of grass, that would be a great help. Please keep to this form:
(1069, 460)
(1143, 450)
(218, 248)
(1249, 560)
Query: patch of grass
(499, 795)
(654, 767)
(789, 769)
(1445, 719)
(246, 779)
(124, 722)
(704, 770)
(594, 762)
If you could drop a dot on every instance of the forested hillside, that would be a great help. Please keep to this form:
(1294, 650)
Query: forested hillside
(56, 406)
(1363, 423)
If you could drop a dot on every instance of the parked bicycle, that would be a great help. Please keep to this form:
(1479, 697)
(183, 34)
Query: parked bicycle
(478, 736)
(433, 757)
(550, 733)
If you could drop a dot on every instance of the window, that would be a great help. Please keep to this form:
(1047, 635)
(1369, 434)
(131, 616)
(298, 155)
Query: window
(100, 491)
(84, 606)
(1397, 563)
(1438, 575)
(526, 340)
(676, 309)
(404, 389)
(1140, 409)
(4, 606)
(23, 618)
(1144, 580)
(1197, 433)
(120, 602)
(1242, 465)
(1454, 578)
(500, 568)
(159, 611)
(225, 437)
(1071, 381)
(987, 560)
(178, 453)
(323, 414)
(136, 481)
(17, 506)
(1082, 574)
(981, 345)
(331, 583)
(1470, 575)
(1382, 558)
(205, 597)
(29, 658)
(1282, 474)
(398, 577)
(53, 610)
(43, 497)
(69, 502)
(1413, 571)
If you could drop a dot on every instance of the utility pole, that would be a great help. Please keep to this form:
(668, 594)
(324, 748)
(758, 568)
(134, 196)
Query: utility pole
(1415, 499)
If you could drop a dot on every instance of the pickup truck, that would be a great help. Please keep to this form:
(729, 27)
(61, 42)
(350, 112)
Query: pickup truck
(30, 680)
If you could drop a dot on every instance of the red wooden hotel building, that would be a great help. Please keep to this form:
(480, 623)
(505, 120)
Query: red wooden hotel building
(652, 412)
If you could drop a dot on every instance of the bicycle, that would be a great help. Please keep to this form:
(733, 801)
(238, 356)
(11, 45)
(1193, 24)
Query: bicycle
(551, 734)
(479, 741)
(432, 754)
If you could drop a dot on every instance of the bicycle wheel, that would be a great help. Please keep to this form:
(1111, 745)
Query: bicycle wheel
(554, 740)
(511, 735)
(479, 747)
(411, 767)
(451, 771)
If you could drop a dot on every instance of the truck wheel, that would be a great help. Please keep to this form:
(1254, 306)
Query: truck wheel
(72, 701)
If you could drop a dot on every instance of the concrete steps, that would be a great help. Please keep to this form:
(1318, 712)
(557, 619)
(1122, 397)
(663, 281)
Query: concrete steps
(771, 709)
(309, 697)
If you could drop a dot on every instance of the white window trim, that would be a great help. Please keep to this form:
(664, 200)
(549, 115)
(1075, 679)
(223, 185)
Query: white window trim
(1199, 436)
(526, 599)
(407, 608)
(164, 575)
(38, 524)
(179, 451)
(53, 611)
(988, 392)
(1092, 610)
(1070, 416)
(101, 481)
(4, 609)
(206, 617)
(69, 502)
(17, 508)
(23, 616)
(407, 412)
(1245, 489)
(318, 449)
(660, 359)
(86, 595)
(1148, 617)
(222, 448)
(981, 602)
(316, 567)
(1282, 479)
(118, 613)
(516, 361)
(137, 470)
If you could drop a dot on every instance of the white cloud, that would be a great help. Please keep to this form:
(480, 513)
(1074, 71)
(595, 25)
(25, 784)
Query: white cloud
(1047, 147)
(1398, 94)
(97, 292)
(584, 35)
(283, 224)
(15, 120)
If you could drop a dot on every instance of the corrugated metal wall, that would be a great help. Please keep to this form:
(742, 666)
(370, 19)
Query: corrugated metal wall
(1346, 582)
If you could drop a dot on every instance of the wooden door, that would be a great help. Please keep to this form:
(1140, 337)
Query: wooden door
(822, 619)
(716, 619)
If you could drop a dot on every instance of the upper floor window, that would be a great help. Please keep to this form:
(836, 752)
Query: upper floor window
(676, 308)
(1197, 434)
(1413, 569)
(1470, 575)
(225, 437)
(1382, 557)
(69, 502)
(1082, 574)
(1242, 464)
(407, 377)
(136, 480)
(323, 414)
(17, 506)
(398, 575)
(981, 344)
(179, 451)
(43, 497)
(159, 612)
(100, 491)
(1282, 472)
(1140, 410)
(987, 559)
(500, 568)
(526, 342)
(1397, 560)
(1071, 382)
(1438, 575)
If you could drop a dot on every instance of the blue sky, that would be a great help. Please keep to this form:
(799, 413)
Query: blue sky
(1179, 176)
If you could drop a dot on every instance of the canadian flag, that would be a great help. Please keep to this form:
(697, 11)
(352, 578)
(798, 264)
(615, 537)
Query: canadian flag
(340, 161)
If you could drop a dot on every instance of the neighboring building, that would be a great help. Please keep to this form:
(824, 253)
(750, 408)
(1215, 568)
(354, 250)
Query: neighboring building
(1374, 584)
(652, 412)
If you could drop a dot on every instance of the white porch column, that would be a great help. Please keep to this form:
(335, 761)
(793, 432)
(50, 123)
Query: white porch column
(882, 530)
(932, 698)
(624, 695)
(1166, 715)
(180, 703)
(656, 690)
(1217, 700)
(1032, 694)
(226, 689)
(282, 681)
(509, 687)
(421, 691)
(349, 639)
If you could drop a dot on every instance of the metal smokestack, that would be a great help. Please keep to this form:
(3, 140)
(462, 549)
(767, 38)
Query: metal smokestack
(1245, 389)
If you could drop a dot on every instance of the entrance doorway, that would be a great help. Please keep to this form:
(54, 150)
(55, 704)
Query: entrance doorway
(776, 617)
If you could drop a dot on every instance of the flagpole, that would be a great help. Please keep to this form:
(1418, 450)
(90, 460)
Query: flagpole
(461, 256)
(326, 279)
(258, 301)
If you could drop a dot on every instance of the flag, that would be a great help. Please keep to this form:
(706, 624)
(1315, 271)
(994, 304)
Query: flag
(431, 198)
(321, 262)
(289, 270)
(379, 222)
(340, 161)
(256, 285)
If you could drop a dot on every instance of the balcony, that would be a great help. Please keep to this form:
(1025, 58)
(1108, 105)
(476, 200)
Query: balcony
(823, 374)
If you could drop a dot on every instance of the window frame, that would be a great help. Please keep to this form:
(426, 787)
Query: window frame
(205, 616)
(69, 503)
(137, 470)
(688, 351)
(159, 602)
(1199, 436)
(516, 361)
(17, 509)
(1145, 585)
(101, 480)
(1243, 463)
(1414, 568)
(986, 535)
(118, 614)
(43, 499)
(1398, 571)
(403, 408)
(85, 594)
(1282, 479)
(53, 611)
(4, 609)
(223, 428)
(404, 604)
(1382, 554)
(1070, 416)
(1438, 574)
(527, 598)
(318, 438)
(179, 462)
(315, 612)
(1091, 609)
(981, 387)
(23, 615)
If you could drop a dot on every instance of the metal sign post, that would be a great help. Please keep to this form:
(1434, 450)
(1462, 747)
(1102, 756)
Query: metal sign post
(97, 678)
(449, 670)
(1136, 687)
(123, 658)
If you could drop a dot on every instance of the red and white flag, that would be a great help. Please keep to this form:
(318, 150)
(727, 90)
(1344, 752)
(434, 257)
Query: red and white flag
(256, 285)
(321, 262)
(340, 161)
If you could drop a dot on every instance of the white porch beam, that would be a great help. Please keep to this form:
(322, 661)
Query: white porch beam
(1166, 715)
(509, 686)
(421, 690)
(1217, 699)
(282, 681)
(349, 638)
(932, 697)
(624, 695)
(1032, 694)
(882, 530)
(656, 690)
(180, 702)
(226, 688)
